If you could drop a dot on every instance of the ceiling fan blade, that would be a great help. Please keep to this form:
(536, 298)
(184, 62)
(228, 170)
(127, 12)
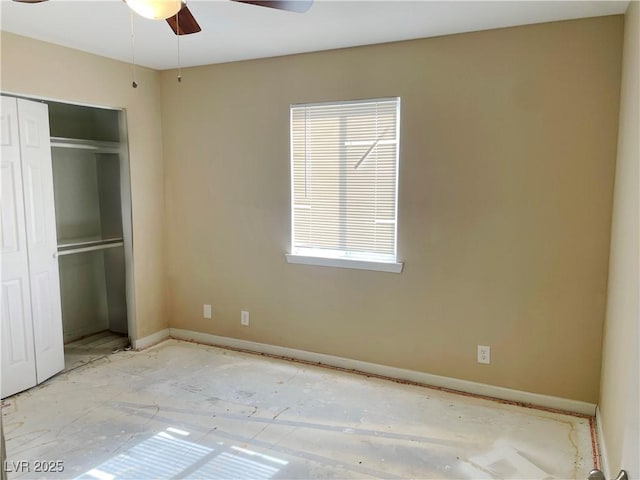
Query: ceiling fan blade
(185, 20)
(298, 6)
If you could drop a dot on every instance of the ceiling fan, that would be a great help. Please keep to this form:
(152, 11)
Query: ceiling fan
(180, 18)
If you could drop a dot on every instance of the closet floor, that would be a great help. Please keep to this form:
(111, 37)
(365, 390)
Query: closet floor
(93, 347)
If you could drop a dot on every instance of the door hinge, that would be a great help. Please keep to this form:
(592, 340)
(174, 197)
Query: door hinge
(596, 474)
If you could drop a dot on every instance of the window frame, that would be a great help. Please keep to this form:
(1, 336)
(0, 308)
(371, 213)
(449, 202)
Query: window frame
(339, 258)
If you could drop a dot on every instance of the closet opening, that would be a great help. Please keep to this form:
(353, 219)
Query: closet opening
(93, 225)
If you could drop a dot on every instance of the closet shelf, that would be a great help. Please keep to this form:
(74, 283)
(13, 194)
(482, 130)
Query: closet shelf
(82, 144)
(89, 245)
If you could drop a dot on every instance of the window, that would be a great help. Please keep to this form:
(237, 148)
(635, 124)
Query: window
(344, 169)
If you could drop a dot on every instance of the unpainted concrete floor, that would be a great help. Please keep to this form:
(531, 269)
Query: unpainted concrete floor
(182, 410)
(88, 349)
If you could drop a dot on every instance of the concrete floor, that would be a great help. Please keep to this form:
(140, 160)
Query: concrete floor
(181, 410)
(93, 347)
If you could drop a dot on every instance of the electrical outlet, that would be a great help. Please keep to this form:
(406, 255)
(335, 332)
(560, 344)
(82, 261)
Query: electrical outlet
(206, 311)
(244, 318)
(484, 354)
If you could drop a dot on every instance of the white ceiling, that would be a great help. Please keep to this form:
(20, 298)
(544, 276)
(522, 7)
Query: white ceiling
(233, 31)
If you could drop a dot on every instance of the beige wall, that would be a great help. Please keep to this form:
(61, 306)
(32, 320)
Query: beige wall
(507, 163)
(508, 147)
(34, 68)
(619, 402)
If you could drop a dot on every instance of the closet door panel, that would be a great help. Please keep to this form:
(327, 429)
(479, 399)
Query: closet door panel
(37, 177)
(35, 214)
(13, 241)
(18, 360)
(43, 309)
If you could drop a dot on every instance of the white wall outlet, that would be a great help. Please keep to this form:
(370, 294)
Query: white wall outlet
(206, 311)
(484, 354)
(244, 318)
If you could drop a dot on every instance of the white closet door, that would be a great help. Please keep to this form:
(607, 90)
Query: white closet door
(18, 359)
(37, 180)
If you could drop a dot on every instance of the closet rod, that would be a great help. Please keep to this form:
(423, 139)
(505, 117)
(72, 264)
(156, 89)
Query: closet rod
(90, 249)
(86, 243)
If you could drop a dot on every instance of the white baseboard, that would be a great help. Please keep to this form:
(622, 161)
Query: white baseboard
(150, 340)
(422, 378)
(602, 447)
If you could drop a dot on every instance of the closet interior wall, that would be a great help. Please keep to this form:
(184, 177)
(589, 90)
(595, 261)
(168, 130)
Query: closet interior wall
(88, 150)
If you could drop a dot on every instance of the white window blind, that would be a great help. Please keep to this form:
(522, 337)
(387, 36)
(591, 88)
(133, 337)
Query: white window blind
(344, 164)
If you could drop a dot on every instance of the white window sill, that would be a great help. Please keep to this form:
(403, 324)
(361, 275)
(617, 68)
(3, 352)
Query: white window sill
(392, 267)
